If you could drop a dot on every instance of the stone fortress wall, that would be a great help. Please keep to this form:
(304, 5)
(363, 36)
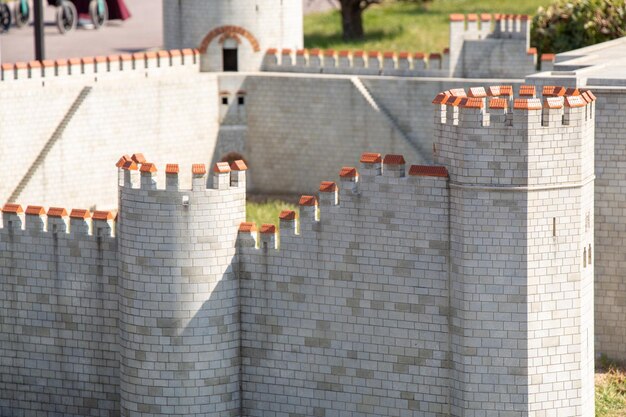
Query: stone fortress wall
(368, 308)
(498, 48)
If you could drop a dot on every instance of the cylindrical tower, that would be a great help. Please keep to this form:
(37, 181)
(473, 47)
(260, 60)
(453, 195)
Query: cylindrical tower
(232, 35)
(179, 308)
(521, 230)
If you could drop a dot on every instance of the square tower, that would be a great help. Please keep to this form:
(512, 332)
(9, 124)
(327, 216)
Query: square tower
(521, 195)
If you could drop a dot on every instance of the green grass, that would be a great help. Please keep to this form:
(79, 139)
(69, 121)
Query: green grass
(266, 212)
(610, 388)
(411, 27)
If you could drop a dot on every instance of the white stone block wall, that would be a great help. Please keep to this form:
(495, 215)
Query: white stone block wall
(610, 302)
(59, 322)
(350, 316)
(521, 197)
(179, 303)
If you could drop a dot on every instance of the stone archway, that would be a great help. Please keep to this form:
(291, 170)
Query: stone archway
(229, 31)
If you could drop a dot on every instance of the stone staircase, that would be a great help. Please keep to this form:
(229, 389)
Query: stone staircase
(379, 108)
(56, 135)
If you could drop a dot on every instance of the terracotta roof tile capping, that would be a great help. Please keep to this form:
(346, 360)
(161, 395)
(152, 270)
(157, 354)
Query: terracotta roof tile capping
(553, 103)
(102, 215)
(238, 165)
(287, 215)
(575, 101)
(371, 158)
(328, 187)
(527, 90)
(498, 103)
(394, 160)
(35, 210)
(221, 168)
(471, 103)
(120, 163)
(268, 228)
(527, 104)
(551, 90)
(148, 167)
(428, 171)
(171, 169)
(456, 17)
(129, 166)
(139, 158)
(80, 214)
(308, 200)
(57, 212)
(348, 172)
(477, 92)
(12, 208)
(247, 227)
(457, 92)
(198, 169)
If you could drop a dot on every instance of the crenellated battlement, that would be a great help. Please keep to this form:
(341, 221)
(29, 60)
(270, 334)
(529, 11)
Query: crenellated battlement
(501, 26)
(498, 107)
(135, 172)
(499, 137)
(57, 220)
(99, 66)
(357, 62)
(355, 185)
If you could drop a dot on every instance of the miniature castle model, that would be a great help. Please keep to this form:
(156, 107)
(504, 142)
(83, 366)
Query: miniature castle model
(444, 292)
(463, 288)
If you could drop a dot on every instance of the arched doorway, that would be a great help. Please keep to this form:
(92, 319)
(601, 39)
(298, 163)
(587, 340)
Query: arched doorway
(230, 56)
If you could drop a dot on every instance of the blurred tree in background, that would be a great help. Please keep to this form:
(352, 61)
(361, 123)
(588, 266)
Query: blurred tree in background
(572, 24)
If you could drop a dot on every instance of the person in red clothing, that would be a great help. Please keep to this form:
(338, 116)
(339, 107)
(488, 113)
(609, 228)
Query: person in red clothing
(117, 9)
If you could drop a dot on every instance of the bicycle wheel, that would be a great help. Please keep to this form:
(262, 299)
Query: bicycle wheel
(67, 17)
(5, 18)
(22, 13)
(99, 13)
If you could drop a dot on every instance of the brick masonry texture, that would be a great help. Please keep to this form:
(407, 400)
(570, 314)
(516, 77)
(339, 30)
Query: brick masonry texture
(456, 292)
(468, 296)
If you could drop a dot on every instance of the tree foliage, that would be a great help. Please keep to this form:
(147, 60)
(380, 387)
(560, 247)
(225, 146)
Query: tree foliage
(572, 24)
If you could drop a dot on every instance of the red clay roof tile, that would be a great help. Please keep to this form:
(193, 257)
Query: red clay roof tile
(148, 167)
(102, 215)
(428, 171)
(527, 91)
(287, 215)
(498, 103)
(247, 227)
(348, 172)
(268, 229)
(527, 104)
(171, 169)
(238, 165)
(35, 210)
(198, 169)
(12, 208)
(57, 212)
(371, 158)
(394, 160)
(308, 200)
(328, 187)
(80, 214)
(221, 168)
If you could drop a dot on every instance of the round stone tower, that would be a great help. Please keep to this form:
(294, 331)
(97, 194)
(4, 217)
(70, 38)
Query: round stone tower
(179, 308)
(232, 35)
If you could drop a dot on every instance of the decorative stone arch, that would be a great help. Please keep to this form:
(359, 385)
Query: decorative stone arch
(228, 31)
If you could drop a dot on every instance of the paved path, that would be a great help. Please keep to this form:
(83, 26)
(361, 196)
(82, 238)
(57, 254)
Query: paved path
(142, 31)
